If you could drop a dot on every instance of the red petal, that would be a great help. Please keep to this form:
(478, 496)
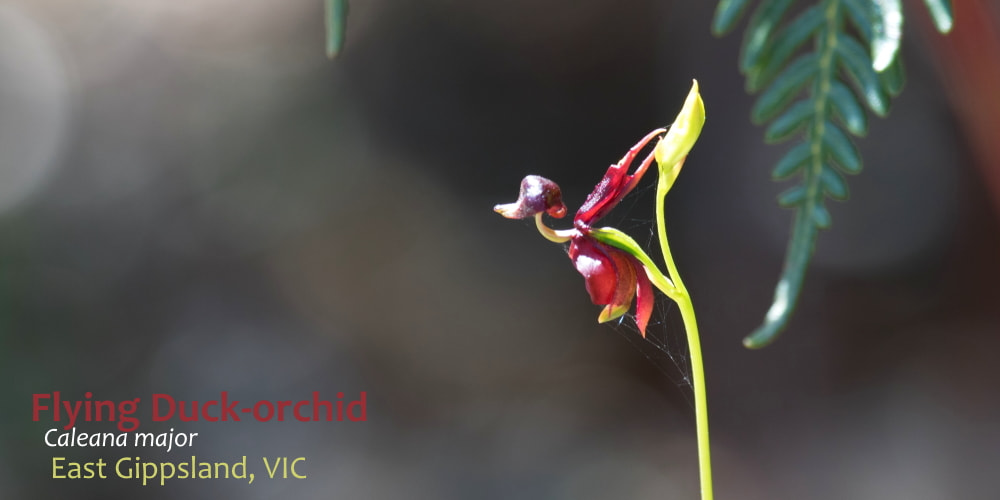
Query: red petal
(615, 184)
(644, 298)
(597, 268)
(605, 195)
(625, 287)
(625, 290)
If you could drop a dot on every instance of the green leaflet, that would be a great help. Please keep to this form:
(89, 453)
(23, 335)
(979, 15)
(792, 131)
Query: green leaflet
(758, 34)
(894, 77)
(789, 123)
(790, 39)
(784, 88)
(794, 160)
(941, 14)
(821, 216)
(833, 183)
(856, 62)
(727, 14)
(336, 26)
(841, 148)
(860, 14)
(887, 32)
(792, 197)
(847, 109)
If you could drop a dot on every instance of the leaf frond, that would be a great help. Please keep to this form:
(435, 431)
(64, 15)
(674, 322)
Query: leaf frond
(816, 95)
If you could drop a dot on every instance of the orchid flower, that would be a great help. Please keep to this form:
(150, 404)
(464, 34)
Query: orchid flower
(613, 275)
(615, 268)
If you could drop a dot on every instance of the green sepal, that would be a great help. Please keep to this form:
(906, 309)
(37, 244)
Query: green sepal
(615, 238)
(613, 312)
(674, 147)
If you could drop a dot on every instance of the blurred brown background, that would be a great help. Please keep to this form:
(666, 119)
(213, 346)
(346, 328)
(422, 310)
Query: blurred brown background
(193, 199)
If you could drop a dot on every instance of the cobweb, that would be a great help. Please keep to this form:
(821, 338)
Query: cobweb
(665, 344)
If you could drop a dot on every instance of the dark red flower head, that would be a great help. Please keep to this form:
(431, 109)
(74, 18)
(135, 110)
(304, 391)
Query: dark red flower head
(537, 195)
(613, 276)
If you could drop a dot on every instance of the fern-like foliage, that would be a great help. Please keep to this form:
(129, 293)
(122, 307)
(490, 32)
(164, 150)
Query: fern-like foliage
(817, 94)
(336, 26)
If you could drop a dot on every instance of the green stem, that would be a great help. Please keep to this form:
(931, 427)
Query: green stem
(683, 299)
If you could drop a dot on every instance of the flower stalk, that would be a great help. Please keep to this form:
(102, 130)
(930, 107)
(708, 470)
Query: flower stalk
(615, 268)
(670, 155)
